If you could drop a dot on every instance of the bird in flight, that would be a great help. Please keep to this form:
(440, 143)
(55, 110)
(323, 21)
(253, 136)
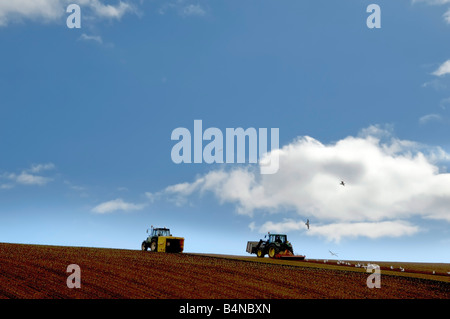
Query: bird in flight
(334, 254)
(307, 223)
(342, 183)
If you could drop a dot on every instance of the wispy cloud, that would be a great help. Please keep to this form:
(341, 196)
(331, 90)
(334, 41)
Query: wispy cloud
(37, 168)
(43, 11)
(95, 38)
(6, 186)
(193, 10)
(430, 118)
(183, 8)
(444, 103)
(29, 179)
(446, 15)
(28, 176)
(82, 191)
(435, 84)
(443, 69)
(116, 205)
(51, 11)
(109, 11)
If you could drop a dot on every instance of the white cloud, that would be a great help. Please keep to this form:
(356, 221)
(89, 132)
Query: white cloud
(437, 154)
(446, 15)
(29, 179)
(183, 8)
(436, 84)
(387, 179)
(36, 168)
(109, 11)
(280, 227)
(444, 102)
(55, 10)
(94, 38)
(429, 118)
(76, 187)
(443, 69)
(193, 10)
(115, 205)
(44, 10)
(28, 176)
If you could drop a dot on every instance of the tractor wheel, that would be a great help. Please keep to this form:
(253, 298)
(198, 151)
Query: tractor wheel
(260, 253)
(153, 246)
(144, 246)
(273, 251)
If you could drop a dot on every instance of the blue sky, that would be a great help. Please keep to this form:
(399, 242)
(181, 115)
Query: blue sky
(86, 117)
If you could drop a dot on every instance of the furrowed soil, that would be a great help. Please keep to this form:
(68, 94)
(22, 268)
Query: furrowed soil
(38, 271)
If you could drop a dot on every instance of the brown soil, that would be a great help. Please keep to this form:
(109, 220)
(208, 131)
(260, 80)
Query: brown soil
(37, 271)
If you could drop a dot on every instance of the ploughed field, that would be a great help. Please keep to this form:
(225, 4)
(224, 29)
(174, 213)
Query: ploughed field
(39, 271)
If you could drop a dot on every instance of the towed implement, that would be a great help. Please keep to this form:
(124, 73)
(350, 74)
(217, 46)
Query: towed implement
(161, 240)
(276, 246)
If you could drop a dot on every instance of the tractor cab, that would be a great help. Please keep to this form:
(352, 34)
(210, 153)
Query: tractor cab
(158, 232)
(277, 238)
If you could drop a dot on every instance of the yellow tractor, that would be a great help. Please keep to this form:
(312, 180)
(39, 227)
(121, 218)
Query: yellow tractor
(161, 240)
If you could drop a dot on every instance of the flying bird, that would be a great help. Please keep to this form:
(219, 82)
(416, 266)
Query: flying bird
(342, 183)
(307, 223)
(334, 254)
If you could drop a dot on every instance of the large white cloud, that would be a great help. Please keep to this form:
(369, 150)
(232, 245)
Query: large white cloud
(387, 181)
